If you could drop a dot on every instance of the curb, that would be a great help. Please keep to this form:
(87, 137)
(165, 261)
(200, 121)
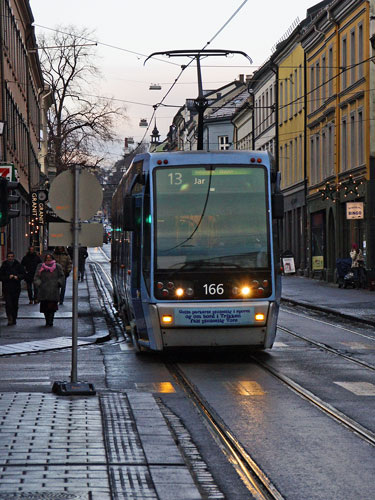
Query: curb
(328, 311)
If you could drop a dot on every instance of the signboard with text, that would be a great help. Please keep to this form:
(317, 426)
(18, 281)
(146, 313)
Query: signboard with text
(318, 263)
(354, 210)
(214, 317)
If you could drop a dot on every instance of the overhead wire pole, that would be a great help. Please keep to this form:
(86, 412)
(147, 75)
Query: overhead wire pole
(200, 102)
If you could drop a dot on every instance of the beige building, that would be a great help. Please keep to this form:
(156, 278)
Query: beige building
(21, 85)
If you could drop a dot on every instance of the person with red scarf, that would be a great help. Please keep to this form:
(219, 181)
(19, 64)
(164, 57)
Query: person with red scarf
(49, 278)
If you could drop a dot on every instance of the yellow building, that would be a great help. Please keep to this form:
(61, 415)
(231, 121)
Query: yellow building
(340, 165)
(289, 59)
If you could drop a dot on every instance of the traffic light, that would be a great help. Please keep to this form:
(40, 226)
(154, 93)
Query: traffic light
(7, 198)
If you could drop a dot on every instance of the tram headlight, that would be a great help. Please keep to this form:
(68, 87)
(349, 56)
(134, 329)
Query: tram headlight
(180, 292)
(260, 317)
(167, 319)
(245, 291)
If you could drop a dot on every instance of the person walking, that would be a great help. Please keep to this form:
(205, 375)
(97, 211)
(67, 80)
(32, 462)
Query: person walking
(357, 265)
(49, 277)
(30, 263)
(62, 257)
(11, 274)
(82, 256)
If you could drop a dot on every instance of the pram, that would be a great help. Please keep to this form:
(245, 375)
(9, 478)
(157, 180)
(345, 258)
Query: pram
(343, 267)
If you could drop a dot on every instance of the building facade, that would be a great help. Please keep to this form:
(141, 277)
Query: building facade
(340, 123)
(21, 83)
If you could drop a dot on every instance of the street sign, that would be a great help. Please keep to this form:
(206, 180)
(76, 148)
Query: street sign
(8, 172)
(61, 195)
(61, 235)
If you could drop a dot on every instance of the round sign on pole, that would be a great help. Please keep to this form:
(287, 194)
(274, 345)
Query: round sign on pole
(61, 195)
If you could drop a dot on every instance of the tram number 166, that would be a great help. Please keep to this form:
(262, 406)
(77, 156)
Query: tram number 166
(213, 289)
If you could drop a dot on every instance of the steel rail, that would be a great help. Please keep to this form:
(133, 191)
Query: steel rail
(311, 318)
(326, 408)
(253, 477)
(105, 298)
(327, 348)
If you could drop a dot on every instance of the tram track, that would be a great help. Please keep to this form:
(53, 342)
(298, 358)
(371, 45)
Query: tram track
(327, 348)
(260, 486)
(253, 477)
(326, 408)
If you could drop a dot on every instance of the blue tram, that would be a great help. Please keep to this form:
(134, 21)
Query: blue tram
(194, 249)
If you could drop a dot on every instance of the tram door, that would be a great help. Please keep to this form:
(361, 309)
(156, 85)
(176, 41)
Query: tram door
(136, 270)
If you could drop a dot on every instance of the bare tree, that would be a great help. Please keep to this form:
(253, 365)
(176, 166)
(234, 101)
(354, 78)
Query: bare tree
(78, 122)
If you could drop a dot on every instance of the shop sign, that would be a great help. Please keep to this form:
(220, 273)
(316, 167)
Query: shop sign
(288, 265)
(318, 263)
(38, 209)
(354, 210)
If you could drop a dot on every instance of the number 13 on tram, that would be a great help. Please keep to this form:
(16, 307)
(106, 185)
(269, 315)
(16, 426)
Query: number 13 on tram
(194, 249)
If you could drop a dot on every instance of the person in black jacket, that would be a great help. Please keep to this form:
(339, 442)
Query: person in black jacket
(11, 274)
(82, 256)
(30, 263)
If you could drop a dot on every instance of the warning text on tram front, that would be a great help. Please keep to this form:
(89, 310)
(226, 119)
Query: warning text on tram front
(214, 317)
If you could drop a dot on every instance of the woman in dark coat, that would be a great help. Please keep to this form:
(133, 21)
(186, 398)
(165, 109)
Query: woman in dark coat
(49, 277)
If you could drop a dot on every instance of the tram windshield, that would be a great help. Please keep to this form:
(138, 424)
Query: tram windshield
(211, 217)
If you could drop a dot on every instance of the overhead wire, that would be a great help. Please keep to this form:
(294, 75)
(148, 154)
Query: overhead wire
(184, 67)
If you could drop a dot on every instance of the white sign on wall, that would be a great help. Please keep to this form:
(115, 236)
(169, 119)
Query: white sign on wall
(354, 210)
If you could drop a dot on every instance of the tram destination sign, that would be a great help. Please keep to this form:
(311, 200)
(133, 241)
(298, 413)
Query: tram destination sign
(214, 317)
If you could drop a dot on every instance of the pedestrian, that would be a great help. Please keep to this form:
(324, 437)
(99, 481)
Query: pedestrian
(82, 256)
(357, 264)
(49, 278)
(63, 258)
(11, 274)
(30, 263)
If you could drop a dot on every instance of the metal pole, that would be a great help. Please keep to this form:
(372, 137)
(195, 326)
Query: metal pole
(76, 229)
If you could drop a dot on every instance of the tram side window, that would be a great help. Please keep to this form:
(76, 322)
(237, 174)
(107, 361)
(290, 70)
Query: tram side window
(146, 258)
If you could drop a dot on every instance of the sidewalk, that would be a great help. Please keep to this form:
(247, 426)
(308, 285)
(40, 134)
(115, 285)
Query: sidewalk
(328, 297)
(114, 445)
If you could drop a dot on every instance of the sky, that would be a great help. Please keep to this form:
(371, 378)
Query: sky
(127, 32)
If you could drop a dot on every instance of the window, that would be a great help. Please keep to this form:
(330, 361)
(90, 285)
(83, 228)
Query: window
(331, 146)
(352, 57)
(317, 86)
(353, 143)
(281, 102)
(330, 71)
(223, 142)
(361, 143)
(286, 159)
(317, 159)
(312, 90)
(286, 99)
(360, 50)
(291, 96)
(344, 137)
(344, 63)
(324, 153)
(324, 69)
(312, 160)
(300, 92)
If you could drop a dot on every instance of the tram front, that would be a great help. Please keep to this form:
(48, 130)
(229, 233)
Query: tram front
(213, 271)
